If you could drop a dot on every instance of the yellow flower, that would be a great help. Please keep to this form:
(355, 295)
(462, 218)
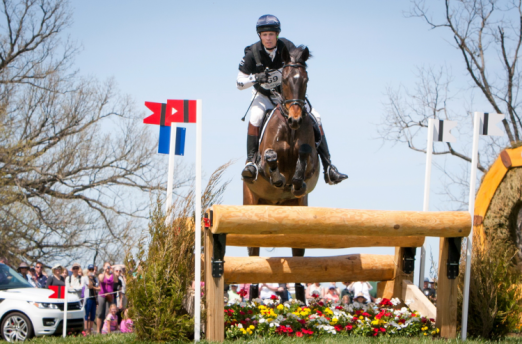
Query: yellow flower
(361, 317)
(328, 311)
(269, 320)
(280, 307)
(425, 334)
(438, 330)
(433, 332)
(424, 328)
(243, 330)
(375, 322)
(252, 327)
(249, 332)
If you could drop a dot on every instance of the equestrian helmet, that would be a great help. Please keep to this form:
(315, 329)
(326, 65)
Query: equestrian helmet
(268, 22)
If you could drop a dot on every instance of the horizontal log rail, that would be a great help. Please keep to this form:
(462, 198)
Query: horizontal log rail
(346, 268)
(332, 221)
(320, 241)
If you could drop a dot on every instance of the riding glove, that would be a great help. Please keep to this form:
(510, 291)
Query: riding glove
(261, 78)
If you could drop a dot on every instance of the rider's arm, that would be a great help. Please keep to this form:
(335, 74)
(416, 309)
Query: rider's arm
(244, 80)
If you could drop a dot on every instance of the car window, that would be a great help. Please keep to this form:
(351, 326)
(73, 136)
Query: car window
(10, 279)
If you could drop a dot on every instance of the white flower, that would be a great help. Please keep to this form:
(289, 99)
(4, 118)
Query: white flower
(268, 302)
(408, 302)
(395, 301)
(286, 304)
(415, 319)
(273, 323)
(262, 320)
(280, 317)
(378, 301)
(239, 326)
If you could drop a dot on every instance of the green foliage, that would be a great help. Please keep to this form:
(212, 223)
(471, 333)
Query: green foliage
(165, 273)
(495, 289)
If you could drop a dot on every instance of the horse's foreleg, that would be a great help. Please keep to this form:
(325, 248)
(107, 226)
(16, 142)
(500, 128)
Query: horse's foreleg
(276, 178)
(298, 184)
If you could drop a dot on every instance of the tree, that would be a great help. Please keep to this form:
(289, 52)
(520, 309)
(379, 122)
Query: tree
(76, 165)
(488, 35)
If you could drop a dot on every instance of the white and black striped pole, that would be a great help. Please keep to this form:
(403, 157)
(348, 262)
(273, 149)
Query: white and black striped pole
(483, 124)
(438, 131)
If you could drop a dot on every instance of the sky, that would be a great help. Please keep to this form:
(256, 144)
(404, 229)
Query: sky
(158, 50)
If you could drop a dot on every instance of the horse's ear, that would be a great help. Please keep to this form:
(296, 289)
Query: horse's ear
(285, 54)
(305, 55)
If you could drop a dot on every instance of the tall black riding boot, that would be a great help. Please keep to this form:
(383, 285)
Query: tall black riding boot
(331, 175)
(253, 292)
(249, 173)
(300, 293)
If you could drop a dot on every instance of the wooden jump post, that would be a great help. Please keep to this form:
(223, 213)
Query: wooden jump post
(298, 227)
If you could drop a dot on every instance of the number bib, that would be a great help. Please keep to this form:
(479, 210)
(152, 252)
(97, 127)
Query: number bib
(274, 80)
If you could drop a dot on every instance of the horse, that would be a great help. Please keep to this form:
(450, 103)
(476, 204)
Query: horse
(287, 162)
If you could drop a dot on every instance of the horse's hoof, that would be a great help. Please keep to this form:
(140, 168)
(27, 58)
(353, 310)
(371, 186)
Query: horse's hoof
(299, 192)
(249, 174)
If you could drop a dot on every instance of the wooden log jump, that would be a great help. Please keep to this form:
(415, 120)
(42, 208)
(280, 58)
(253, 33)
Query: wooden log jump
(320, 241)
(347, 268)
(328, 221)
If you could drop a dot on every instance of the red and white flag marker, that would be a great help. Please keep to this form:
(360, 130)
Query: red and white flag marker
(168, 114)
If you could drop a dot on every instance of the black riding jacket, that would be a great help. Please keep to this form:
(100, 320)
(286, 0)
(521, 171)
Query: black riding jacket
(248, 63)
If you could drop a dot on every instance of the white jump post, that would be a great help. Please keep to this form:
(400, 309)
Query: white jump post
(65, 299)
(170, 177)
(197, 298)
(483, 124)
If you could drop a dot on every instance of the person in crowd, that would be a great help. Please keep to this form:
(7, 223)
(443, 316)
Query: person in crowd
(110, 325)
(106, 296)
(90, 287)
(332, 295)
(119, 290)
(337, 289)
(40, 275)
(345, 300)
(96, 270)
(359, 297)
(282, 292)
(266, 290)
(314, 289)
(126, 325)
(56, 278)
(23, 270)
(202, 287)
(5, 261)
(233, 296)
(429, 291)
(65, 272)
(361, 287)
(244, 291)
(74, 281)
(346, 292)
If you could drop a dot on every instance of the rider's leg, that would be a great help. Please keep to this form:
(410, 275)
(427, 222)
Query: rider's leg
(331, 174)
(257, 111)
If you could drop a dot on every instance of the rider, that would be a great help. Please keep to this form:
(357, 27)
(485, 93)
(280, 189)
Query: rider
(258, 57)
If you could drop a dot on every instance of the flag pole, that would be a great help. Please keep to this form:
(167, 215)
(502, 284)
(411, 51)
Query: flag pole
(66, 291)
(471, 203)
(197, 298)
(170, 177)
(426, 204)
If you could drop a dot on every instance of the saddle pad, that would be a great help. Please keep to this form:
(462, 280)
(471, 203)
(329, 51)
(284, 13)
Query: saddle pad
(265, 124)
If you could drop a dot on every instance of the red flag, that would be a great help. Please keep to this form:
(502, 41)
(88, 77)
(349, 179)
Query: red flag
(59, 292)
(174, 111)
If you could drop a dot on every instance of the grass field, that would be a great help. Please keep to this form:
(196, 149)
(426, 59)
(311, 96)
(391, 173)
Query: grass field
(131, 339)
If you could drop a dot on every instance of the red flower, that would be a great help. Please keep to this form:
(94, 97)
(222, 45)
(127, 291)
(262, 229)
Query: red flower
(423, 320)
(339, 307)
(315, 296)
(243, 322)
(355, 318)
(358, 312)
(348, 327)
(273, 297)
(385, 302)
(242, 293)
(387, 314)
(319, 312)
(289, 329)
(321, 303)
(366, 314)
(299, 334)
(432, 320)
(338, 328)
(309, 332)
(302, 321)
(242, 313)
(402, 321)
(231, 311)
(383, 329)
(250, 311)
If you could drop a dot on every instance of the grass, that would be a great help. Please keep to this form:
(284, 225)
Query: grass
(131, 339)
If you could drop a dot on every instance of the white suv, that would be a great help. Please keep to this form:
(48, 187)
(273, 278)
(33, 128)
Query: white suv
(26, 311)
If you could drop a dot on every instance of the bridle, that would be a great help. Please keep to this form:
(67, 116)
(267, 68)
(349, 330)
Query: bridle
(299, 102)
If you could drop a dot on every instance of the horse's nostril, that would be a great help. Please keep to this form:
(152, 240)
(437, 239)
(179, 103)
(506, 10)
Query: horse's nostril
(300, 120)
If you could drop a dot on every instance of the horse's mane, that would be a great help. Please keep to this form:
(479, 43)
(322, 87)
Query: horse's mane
(296, 55)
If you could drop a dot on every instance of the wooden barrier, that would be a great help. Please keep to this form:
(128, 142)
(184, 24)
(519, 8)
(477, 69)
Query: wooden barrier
(260, 219)
(298, 227)
(320, 241)
(347, 268)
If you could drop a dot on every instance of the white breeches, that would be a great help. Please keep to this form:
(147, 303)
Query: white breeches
(261, 104)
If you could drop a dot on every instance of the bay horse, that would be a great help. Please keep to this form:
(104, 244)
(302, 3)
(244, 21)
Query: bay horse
(287, 161)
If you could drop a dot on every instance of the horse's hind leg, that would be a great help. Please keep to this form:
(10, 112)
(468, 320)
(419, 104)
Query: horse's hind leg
(298, 184)
(276, 178)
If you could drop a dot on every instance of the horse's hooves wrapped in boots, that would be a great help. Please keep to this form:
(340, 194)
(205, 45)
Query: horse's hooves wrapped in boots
(300, 292)
(253, 292)
(299, 192)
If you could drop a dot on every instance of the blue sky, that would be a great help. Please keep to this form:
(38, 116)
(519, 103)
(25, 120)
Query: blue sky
(158, 50)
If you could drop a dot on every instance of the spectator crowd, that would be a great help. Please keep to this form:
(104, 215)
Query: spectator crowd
(102, 293)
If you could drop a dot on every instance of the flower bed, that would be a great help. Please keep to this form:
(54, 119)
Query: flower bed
(264, 318)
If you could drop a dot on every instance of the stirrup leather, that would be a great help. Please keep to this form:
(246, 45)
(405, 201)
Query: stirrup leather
(255, 166)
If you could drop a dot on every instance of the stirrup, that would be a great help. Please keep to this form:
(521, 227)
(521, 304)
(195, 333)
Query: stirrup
(327, 175)
(255, 166)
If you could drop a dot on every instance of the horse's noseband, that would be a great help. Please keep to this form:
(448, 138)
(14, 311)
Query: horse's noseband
(299, 102)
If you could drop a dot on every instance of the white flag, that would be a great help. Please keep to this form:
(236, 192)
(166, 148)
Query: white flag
(488, 124)
(441, 131)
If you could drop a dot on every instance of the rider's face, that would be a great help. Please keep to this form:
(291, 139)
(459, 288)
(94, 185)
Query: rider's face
(269, 39)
